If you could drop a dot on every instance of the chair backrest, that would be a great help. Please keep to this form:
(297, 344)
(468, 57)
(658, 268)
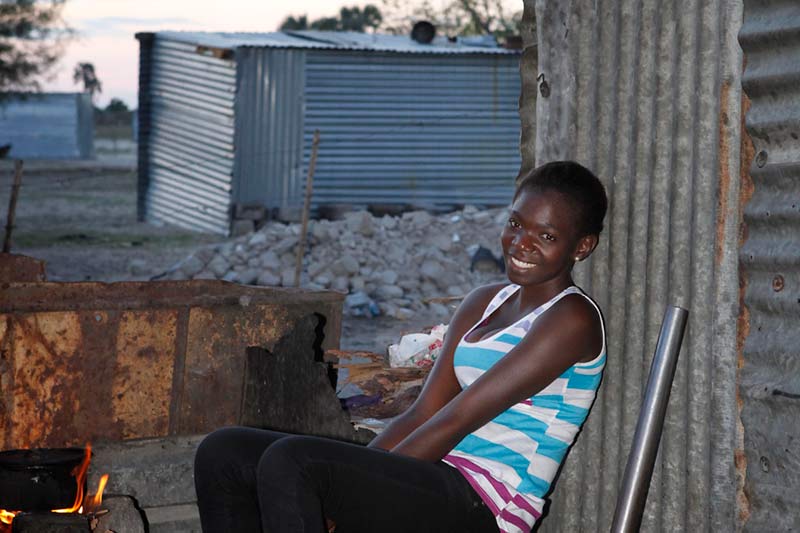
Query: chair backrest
(636, 481)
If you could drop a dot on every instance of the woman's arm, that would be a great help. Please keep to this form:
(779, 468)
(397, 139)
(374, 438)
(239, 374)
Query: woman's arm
(567, 333)
(441, 386)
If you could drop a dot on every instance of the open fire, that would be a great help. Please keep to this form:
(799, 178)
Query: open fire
(83, 503)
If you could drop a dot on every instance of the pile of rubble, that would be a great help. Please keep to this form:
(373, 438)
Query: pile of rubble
(395, 265)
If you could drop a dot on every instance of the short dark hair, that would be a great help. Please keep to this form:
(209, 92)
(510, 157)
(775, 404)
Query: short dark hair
(579, 184)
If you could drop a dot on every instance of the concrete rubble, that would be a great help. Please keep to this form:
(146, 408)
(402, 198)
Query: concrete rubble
(402, 263)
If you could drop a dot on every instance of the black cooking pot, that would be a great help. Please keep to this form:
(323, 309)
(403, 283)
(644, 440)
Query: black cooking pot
(39, 479)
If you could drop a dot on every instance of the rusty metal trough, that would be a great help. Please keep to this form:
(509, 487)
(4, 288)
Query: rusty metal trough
(143, 370)
(96, 361)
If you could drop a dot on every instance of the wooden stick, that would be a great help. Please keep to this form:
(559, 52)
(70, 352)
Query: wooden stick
(442, 299)
(301, 246)
(12, 205)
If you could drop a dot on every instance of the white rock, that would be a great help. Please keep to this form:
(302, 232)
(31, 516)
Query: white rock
(340, 284)
(442, 241)
(267, 278)
(432, 269)
(287, 277)
(189, 267)
(388, 222)
(438, 310)
(455, 290)
(258, 239)
(320, 231)
(357, 283)
(408, 284)
(315, 268)
(270, 261)
(401, 313)
(248, 277)
(322, 280)
(205, 254)
(387, 292)
(345, 265)
(360, 222)
(289, 259)
(389, 277)
(428, 289)
(205, 274)
(230, 276)
(284, 245)
(218, 265)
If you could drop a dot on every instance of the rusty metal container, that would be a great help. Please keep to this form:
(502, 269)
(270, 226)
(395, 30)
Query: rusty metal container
(93, 361)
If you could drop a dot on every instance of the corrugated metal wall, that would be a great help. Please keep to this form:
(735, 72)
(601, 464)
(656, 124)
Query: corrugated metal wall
(48, 126)
(648, 94)
(269, 127)
(770, 258)
(191, 134)
(413, 128)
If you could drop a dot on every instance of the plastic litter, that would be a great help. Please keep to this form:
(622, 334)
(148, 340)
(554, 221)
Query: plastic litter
(418, 349)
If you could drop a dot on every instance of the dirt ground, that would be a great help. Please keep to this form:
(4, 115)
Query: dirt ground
(80, 217)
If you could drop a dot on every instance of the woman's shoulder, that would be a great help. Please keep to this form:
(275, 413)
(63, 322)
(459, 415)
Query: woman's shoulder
(483, 295)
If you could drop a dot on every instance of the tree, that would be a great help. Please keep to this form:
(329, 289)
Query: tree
(84, 73)
(458, 17)
(32, 35)
(116, 106)
(349, 19)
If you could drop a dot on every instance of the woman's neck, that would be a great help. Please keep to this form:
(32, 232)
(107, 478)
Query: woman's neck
(532, 296)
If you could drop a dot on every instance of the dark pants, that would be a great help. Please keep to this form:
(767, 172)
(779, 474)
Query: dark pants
(256, 480)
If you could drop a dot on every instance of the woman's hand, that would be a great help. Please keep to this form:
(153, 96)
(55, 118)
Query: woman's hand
(441, 386)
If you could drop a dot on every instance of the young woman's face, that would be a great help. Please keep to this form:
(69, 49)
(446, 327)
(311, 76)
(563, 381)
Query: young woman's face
(540, 239)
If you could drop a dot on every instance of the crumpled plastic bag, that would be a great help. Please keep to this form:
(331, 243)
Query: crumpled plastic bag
(418, 349)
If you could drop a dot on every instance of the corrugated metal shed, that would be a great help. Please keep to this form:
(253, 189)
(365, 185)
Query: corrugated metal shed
(648, 94)
(401, 128)
(770, 374)
(400, 122)
(48, 126)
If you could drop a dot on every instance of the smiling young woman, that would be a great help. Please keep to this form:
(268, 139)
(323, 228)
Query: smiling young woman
(479, 449)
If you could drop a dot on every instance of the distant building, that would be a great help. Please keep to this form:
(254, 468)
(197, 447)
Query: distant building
(47, 126)
(226, 122)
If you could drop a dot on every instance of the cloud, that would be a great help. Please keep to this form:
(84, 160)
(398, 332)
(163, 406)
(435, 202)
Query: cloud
(112, 25)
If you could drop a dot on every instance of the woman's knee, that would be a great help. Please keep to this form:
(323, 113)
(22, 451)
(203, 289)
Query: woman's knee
(294, 453)
(215, 446)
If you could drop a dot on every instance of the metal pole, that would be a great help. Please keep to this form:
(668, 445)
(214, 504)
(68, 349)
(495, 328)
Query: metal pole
(301, 244)
(12, 205)
(636, 481)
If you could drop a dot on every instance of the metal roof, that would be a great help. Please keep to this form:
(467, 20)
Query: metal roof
(310, 39)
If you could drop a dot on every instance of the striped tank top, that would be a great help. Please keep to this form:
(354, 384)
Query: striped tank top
(512, 460)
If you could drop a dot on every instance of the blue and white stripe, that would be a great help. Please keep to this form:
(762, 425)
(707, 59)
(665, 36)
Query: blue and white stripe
(512, 460)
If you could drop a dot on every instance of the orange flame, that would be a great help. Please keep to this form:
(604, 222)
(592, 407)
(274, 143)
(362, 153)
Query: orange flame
(80, 478)
(79, 472)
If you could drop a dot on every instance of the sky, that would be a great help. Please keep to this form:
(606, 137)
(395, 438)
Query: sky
(105, 32)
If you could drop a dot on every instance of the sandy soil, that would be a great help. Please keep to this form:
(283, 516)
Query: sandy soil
(80, 217)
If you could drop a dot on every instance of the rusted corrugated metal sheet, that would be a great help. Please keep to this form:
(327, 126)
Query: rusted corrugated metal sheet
(770, 375)
(648, 95)
(89, 361)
